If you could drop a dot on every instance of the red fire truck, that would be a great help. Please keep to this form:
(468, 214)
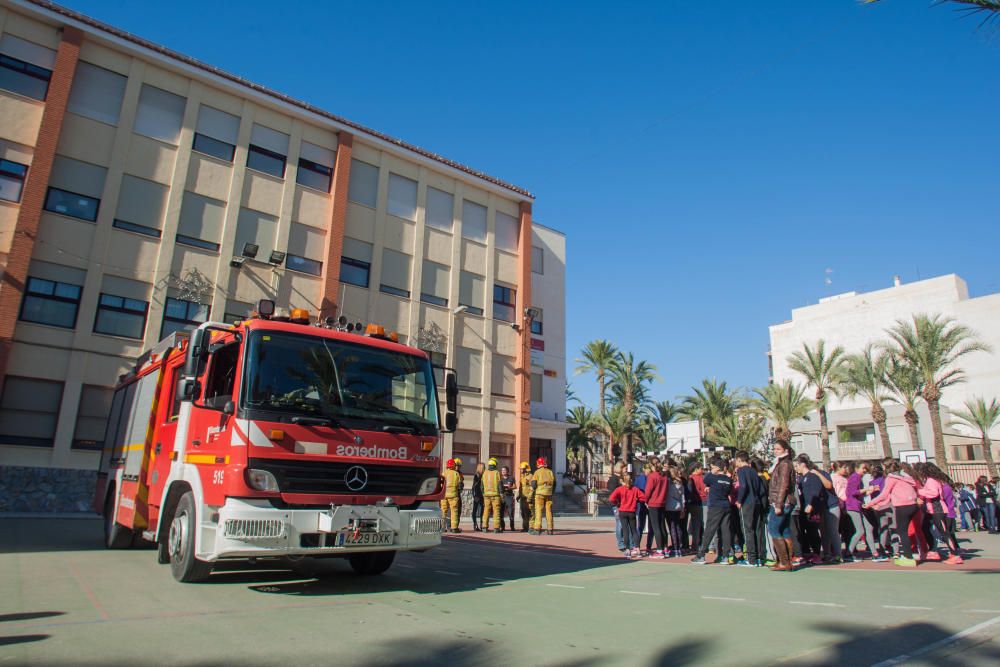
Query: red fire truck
(276, 437)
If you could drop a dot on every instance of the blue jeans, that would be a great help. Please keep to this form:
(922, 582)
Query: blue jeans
(780, 525)
(618, 532)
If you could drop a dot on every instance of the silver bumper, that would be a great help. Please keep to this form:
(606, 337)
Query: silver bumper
(248, 528)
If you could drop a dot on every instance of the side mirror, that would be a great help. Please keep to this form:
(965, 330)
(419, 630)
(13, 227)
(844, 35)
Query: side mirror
(196, 351)
(229, 408)
(451, 391)
(187, 389)
(450, 422)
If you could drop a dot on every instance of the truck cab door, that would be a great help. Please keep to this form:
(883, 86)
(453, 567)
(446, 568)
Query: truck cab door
(164, 434)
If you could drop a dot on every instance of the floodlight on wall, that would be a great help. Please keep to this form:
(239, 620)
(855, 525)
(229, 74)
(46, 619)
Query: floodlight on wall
(250, 250)
(276, 257)
(459, 310)
(531, 314)
(237, 262)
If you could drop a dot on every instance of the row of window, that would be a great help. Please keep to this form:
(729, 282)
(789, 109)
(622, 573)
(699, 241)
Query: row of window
(439, 211)
(57, 304)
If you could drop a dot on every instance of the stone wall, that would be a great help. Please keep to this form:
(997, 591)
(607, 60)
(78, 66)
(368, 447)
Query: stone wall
(46, 489)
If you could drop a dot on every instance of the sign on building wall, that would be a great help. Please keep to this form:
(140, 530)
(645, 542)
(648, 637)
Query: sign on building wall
(537, 359)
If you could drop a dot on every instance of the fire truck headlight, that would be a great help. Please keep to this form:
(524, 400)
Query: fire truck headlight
(428, 486)
(262, 480)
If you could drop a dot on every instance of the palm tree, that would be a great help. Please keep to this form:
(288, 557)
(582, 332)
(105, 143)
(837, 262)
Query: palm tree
(932, 344)
(616, 425)
(864, 375)
(742, 430)
(781, 404)
(629, 386)
(649, 435)
(905, 386)
(991, 8)
(711, 404)
(585, 427)
(597, 357)
(822, 371)
(983, 418)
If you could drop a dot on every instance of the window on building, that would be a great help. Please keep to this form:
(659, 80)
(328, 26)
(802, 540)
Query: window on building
(402, 197)
(536, 388)
(469, 453)
(536, 324)
(471, 292)
(25, 67)
(12, 175)
(29, 411)
(504, 303)
(469, 369)
(537, 260)
(395, 273)
(140, 206)
(216, 134)
(97, 93)
(355, 262)
(75, 188)
(181, 315)
(305, 245)
(51, 302)
(434, 283)
(506, 229)
(92, 417)
(473, 221)
(363, 188)
(503, 376)
(256, 228)
(201, 221)
(121, 316)
(315, 167)
(268, 150)
(440, 209)
(160, 115)
(237, 311)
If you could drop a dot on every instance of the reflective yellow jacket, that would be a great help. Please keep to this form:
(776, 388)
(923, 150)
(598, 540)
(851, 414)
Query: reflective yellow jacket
(491, 483)
(545, 482)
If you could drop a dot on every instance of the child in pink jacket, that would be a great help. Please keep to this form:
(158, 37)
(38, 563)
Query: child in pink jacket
(900, 491)
(930, 488)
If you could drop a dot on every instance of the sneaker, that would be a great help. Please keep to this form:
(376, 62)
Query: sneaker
(628, 555)
(933, 556)
(798, 562)
(656, 555)
(905, 562)
(644, 552)
(743, 563)
(730, 561)
(880, 559)
(954, 559)
(636, 554)
(849, 559)
(769, 562)
(723, 561)
(698, 560)
(533, 532)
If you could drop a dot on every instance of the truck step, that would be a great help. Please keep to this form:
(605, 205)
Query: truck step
(149, 535)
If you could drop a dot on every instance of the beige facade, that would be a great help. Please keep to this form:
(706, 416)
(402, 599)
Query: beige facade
(165, 174)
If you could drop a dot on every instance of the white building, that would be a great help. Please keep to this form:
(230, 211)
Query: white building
(854, 320)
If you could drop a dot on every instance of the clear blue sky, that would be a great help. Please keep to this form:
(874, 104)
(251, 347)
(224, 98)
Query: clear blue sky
(707, 160)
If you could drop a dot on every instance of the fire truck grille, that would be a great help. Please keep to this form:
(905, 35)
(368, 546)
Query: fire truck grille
(323, 477)
(254, 529)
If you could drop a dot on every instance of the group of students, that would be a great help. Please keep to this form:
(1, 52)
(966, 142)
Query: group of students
(977, 504)
(810, 515)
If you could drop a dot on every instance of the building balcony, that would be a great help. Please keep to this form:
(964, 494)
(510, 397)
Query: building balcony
(857, 449)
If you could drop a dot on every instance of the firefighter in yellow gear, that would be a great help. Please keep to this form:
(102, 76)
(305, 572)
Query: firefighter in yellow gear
(525, 495)
(452, 501)
(492, 490)
(544, 483)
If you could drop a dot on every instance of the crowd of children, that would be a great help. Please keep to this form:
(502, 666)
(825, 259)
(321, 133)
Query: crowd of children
(793, 513)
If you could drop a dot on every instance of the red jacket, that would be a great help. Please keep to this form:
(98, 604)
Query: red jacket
(699, 484)
(626, 498)
(656, 490)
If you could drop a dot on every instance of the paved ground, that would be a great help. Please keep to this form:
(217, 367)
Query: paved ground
(484, 600)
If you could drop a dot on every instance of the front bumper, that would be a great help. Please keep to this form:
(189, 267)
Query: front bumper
(246, 528)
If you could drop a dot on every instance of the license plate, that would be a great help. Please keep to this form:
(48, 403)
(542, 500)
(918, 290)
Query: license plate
(351, 539)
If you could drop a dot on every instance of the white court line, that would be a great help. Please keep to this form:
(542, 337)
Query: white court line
(493, 579)
(450, 574)
(938, 644)
(898, 606)
(564, 586)
(712, 597)
(981, 611)
(639, 593)
(816, 604)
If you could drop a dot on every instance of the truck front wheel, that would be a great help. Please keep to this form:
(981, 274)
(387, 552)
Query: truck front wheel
(372, 563)
(116, 536)
(180, 543)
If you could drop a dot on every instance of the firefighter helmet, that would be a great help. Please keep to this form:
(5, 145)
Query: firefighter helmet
(541, 461)
(458, 461)
(525, 465)
(492, 462)
(450, 464)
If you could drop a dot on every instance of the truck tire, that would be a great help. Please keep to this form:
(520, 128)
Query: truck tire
(180, 543)
(116, 536)
(372, 563)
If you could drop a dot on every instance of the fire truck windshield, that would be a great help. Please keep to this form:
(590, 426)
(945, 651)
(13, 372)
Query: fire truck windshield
(350, 385)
